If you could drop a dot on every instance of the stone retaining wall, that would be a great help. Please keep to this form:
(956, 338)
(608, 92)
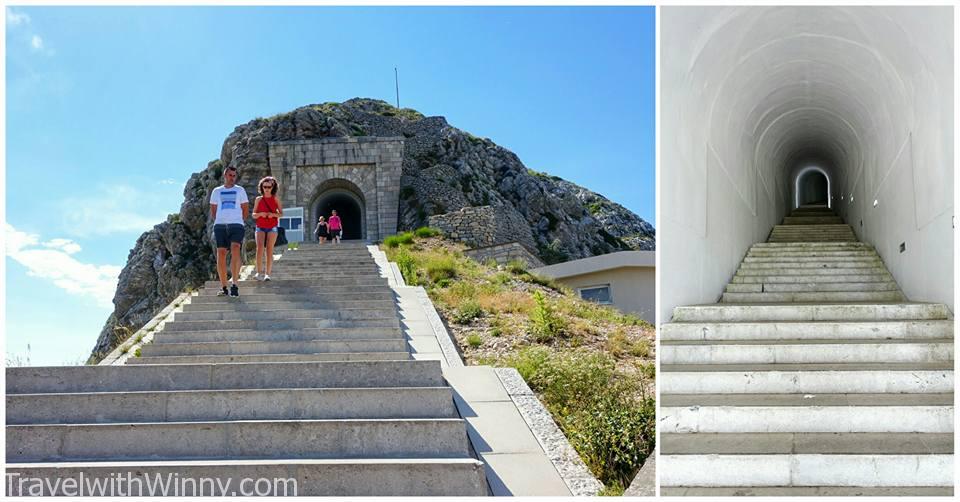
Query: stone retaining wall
(504, 253)
(484, 226)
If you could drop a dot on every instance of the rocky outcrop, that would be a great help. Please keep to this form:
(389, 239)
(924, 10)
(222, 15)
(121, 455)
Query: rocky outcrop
(444, 170)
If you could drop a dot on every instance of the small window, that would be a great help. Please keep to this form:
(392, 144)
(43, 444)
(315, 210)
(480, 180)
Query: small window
(598, 294)
(291, 223)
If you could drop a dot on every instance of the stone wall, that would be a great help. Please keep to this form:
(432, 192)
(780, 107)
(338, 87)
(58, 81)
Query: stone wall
(484, 226)
(504, 253)
(369, 167)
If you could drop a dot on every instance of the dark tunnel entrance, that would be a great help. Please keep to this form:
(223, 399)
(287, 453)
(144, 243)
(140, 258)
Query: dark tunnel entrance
(349, 208)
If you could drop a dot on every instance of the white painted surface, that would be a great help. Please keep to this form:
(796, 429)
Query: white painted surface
(751, 95)
(806, 470)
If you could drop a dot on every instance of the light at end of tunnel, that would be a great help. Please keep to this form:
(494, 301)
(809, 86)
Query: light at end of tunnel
(875, 202)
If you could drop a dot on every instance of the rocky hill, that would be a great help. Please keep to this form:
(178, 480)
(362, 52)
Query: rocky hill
(444, 169)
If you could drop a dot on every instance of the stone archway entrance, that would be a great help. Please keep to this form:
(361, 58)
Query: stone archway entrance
(347, 199)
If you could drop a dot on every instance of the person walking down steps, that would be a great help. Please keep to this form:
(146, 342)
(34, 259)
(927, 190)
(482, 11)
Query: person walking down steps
(321, 232)
(229, 207)
(267, 212)
(334, 227)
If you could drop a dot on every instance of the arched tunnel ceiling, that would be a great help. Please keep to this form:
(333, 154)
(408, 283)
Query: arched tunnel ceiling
(771, 81)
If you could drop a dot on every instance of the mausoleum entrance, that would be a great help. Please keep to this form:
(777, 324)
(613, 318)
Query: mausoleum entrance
(359, 177)
(345, 198)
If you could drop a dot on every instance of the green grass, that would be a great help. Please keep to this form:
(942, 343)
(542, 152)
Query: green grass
(426, 232)
(474, 340)
(574, 354)
(405, 238)
(467, 312)
(602, 411)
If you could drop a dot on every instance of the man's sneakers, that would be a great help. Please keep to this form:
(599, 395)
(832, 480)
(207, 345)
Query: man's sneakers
(262, 277)
(223, 292)
(234, 290)
(266, 277)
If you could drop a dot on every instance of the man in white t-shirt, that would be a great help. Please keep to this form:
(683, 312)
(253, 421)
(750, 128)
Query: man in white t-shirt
(229, 208)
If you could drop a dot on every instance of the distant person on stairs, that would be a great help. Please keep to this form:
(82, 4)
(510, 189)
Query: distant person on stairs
(321, 232)
(229, 208)
(336, 231)
(267, 210)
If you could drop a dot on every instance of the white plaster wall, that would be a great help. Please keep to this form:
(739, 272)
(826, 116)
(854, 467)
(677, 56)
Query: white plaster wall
(751, 94)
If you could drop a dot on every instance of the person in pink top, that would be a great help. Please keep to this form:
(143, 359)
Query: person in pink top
(335, 231)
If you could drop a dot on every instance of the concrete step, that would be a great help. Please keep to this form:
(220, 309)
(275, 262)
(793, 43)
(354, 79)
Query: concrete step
(808, 491)
(279, 324)
(294, 347)
(812, 286)
(344, 314)
(812, 238)
(279, 335)
(238, 439)
(793, 260)
(823, 330)
(826, 416)
(805, 351)
(811, 271)
(295, 295)
(812, 219)
(304, 477)
(268, 290)
(816, 277)
(821, 246)
(283, 305)
(773, 252)
(813, 296)
(784, 470)
(127, 378)
(285, 285)
(807, 443)
(789, 266)
(364, 265)
(835, 378)
(272, 358)
(811, 312)
(236, 404)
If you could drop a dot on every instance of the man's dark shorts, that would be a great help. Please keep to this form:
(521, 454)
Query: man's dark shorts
(225, 234)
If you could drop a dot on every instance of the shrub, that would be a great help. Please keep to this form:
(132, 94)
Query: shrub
(136, 353)
(467, 312)
(407, 266)
(615, 435)
(597, 408)
(426, 232)
(544, 322)
(640, 348)
(516, 267)
(474, 340)
(393, 241)
(441, 267)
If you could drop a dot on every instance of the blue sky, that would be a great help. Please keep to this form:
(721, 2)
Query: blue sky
(109, 110)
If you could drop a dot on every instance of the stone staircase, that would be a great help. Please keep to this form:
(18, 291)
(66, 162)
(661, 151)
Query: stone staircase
(306, 377)
(812, 376)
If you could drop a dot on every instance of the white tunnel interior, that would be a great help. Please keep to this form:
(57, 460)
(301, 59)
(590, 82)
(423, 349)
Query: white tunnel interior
(758, 102)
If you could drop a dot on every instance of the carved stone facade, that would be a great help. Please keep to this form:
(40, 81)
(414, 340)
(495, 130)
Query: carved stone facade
(358, 176)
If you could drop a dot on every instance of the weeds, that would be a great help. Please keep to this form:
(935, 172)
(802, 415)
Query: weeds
(545, 325)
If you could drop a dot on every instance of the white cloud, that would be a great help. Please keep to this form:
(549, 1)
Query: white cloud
(118, 208)
(168, 181)
(16, 18)
(37, 43)
(65, 245)
(51, 260)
